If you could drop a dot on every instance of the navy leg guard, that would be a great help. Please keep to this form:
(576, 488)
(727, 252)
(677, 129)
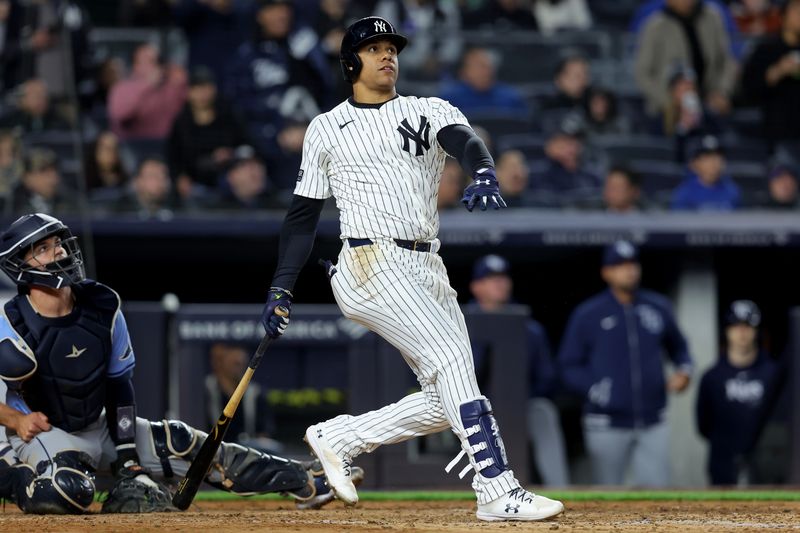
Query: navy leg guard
(484, 445)
(64, 485)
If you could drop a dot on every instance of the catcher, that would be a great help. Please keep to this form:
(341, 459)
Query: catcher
(69, 409)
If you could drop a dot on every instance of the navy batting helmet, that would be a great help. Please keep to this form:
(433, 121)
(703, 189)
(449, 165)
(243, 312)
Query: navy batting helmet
(20, 238)
(360, 33)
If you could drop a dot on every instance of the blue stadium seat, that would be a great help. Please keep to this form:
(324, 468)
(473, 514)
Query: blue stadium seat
(532, 146)
(623, 148)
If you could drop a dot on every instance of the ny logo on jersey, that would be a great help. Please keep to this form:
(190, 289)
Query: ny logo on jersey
(380, 26)
(419, 136)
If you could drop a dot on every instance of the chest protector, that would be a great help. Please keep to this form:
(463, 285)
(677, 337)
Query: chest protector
(72, 353)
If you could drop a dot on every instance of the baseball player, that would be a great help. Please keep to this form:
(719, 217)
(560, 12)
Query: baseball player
(380, 155)
(68, 405)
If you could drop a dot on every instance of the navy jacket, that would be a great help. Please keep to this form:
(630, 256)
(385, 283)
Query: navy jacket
(611, 355)
(728, 409)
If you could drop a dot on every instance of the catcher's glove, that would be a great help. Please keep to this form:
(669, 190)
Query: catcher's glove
(136, 492)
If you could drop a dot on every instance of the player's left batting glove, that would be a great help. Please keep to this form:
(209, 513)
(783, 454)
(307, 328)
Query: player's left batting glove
(483, 191)
(272, 322)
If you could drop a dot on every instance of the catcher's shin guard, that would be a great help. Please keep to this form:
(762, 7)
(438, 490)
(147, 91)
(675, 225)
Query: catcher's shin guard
(64, 485)
(247, 471)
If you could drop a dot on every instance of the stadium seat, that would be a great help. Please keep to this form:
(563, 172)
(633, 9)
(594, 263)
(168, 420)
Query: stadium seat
(659, 178)
(623, 148)
(532, 146)
(498, 125)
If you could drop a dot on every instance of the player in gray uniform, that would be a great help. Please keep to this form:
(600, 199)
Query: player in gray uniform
(381, 155)
(69, 408)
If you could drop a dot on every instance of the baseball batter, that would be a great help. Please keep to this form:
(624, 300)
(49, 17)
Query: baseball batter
(380, 155)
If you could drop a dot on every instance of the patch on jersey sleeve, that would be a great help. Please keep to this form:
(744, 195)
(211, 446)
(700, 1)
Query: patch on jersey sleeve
(300, 175)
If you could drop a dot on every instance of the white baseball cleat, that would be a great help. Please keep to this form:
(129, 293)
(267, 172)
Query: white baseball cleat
(337, 470)
(519, 504)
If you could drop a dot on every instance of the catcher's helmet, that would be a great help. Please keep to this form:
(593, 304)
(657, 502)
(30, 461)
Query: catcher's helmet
(360, 33)
(20, 237)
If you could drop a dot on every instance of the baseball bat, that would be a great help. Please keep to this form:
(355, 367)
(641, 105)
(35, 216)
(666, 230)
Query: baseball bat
(187, 488)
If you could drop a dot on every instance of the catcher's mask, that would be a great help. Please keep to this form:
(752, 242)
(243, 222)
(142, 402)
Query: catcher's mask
(360, 33)
(23, 235)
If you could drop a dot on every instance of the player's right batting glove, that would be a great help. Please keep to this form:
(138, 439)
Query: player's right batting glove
(272, 322)
(483, 191)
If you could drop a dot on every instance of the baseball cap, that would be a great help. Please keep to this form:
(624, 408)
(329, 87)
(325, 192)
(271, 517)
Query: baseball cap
(490, 265)
(780, 169)
(201, 75)
(243, 153)
(706, 144)
(619, 252)
(743, 312)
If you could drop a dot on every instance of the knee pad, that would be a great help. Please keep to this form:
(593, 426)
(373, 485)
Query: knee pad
(173, 438)
(483, 441)
(247, 471)
(68, 489)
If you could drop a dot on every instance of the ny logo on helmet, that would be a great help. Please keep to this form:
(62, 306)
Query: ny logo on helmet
(419, 136)
(380, 26)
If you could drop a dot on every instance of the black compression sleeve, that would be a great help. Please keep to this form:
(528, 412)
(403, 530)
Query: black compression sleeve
(121, 410)
(464, 144)
(297, 238)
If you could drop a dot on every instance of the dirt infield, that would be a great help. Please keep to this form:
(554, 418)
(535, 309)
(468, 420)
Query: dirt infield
(239, 516)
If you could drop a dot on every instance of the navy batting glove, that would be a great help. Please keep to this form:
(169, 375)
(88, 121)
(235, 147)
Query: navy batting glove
(483, 191)
(272, 322)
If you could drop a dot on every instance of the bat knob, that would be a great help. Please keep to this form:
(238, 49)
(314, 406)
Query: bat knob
(281, 311)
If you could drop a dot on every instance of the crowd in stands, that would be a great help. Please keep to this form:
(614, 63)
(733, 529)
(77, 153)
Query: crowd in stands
(157, 106)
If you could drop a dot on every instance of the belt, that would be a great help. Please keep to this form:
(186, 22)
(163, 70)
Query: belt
(414, 246)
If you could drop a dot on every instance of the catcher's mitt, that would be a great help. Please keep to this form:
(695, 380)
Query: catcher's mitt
(138, 494)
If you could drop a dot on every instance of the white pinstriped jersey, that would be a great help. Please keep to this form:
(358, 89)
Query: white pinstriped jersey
(382, 164)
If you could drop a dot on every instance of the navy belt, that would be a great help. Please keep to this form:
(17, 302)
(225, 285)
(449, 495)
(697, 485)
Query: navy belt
(414, 246)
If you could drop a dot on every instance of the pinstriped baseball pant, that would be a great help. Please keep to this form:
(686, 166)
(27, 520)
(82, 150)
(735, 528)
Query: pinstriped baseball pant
(406, 298)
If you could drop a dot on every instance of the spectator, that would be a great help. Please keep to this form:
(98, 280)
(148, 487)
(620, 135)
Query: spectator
(491, 288)
(783, 188)
(246, 185)
(203, 136)
(706, 188)
(215, 29)
(278, 79)
(477, 89)
(731, 395)
(622, 191)
(33, 113)
(513, 175)
(253, 422)
(771, 78)
(501, 16)
(684, 116)
(564, 179)
(148, 194)
(52, 31)
(104, 167)
(558, 15)
(11, 166)
(451, 186)
(144, 105)
(612, 357)
(41, 190)
(435, 44)
(601, 116)
(572, 81)
(10, 44)
(652, 7)
(756, 18)
(686, 32)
